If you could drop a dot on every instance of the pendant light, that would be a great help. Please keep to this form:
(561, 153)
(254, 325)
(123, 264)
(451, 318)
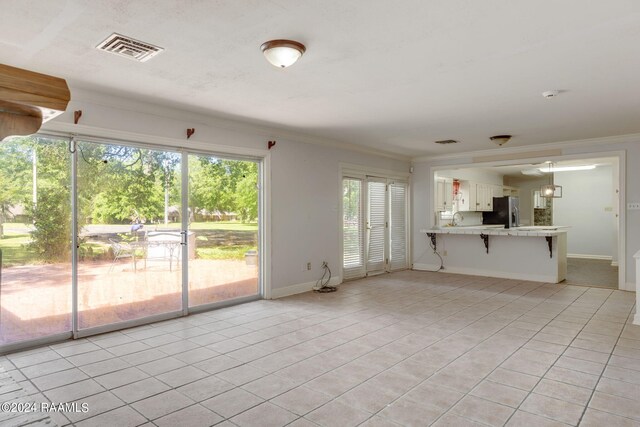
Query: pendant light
(550, 190)
(282, 53)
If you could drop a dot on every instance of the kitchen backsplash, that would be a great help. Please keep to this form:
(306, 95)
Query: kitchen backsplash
(468, 218)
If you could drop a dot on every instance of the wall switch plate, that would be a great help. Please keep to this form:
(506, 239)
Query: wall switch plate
(633, 206)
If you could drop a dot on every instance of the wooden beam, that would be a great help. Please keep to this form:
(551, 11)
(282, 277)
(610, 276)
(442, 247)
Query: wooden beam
(27, 99)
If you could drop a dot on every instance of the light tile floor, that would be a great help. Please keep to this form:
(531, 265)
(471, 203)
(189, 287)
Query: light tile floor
(409, 348)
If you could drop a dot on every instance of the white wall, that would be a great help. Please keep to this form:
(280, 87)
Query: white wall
(305, 181)
(481, 176)
(586, 196)
(422, 201)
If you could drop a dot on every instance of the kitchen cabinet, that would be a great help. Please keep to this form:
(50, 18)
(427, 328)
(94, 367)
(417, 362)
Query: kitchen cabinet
(510, 191)
(480, 196)
(444, 195)
(464, 199)
(539, 202)
(484, 196)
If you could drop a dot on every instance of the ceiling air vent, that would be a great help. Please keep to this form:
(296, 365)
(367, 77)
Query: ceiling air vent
(447, 141)
(129, 48)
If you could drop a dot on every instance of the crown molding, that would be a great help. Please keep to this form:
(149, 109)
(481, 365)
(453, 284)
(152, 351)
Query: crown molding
(531, 150)
(80, 95)
(114, 135)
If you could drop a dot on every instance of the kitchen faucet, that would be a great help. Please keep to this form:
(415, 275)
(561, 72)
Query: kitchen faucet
(453, 218)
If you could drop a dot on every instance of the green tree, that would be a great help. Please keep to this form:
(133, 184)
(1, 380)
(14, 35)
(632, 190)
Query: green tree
(16, 156)
(51, 212)
(224, 185)
(119, 183)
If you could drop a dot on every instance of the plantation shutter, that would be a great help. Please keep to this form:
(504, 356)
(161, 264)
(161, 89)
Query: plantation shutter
(398, 193)
(352, 228)
(376, 226)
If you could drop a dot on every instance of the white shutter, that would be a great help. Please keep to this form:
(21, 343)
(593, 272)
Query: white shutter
(376, 226)
(398, 226)
(352, 228)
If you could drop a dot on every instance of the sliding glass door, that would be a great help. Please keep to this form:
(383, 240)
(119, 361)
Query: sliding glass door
(223, 229)
(129, 233)
(35, 239)
(97, 236)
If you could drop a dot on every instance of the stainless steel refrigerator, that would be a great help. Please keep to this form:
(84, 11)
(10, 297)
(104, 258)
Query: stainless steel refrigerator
(506, 211)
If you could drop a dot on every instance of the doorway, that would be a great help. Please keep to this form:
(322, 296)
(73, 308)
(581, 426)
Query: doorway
(374, 225)
(157, 233)
(592, 206)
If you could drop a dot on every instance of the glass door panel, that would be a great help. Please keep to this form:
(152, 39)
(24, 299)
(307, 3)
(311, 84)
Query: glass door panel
(376, 225)
(223, 229)
(35, 238)
(353, 264)
(398, 222)
(129, 230)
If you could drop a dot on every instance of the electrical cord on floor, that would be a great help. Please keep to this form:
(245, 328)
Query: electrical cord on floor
(322, 285)
(441, 260)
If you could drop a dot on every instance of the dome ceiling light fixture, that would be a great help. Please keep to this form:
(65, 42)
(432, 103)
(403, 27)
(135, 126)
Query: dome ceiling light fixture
(282, 53)
(500, 139)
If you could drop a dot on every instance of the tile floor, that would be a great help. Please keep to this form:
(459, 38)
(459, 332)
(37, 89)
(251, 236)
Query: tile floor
(409, 348)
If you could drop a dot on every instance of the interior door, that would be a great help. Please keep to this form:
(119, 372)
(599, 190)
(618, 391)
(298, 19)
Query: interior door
(376, 225)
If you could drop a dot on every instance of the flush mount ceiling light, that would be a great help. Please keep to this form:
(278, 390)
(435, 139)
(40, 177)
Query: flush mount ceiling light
(500, 139)
(567, 168)
(551, 190)
(282, 53)
(446, 141)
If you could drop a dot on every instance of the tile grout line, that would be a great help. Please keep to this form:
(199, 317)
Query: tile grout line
(453, 333)
(378, 309)
(602, 374)
(512, 353)
(559, 356)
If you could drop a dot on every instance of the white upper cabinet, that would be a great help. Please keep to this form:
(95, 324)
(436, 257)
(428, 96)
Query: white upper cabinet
(444, 195)
(478, 197)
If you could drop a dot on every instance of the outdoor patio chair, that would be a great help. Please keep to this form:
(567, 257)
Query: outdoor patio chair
(122, 250)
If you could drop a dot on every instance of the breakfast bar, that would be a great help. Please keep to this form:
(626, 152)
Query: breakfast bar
(537, 253)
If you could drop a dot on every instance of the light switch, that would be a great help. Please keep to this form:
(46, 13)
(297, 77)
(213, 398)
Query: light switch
(633, 206)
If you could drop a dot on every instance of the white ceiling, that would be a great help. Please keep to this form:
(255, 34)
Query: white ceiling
(392, 75)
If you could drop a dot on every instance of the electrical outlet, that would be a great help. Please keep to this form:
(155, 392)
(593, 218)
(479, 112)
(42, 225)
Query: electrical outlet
(633, 206)
(325, 264)
(308, 266)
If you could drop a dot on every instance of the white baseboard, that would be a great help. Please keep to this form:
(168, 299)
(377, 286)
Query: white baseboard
(425, 267)
(586, 256)
(300, 288)
(487, 273)
(629, 286)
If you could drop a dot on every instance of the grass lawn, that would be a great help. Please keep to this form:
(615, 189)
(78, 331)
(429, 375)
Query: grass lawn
(14, 249)
(223, 252)
(214, 225)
